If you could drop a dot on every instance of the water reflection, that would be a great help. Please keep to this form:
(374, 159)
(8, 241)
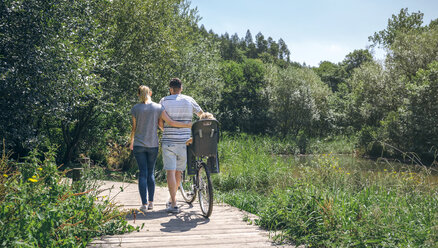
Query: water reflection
(367, 165)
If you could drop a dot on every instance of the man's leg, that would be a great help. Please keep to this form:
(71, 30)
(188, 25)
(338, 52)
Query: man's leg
(181, 163)
(169, 162)
(178, 178)
(172, 184)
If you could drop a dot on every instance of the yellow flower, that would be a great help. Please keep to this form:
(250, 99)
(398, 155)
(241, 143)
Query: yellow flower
(5, 175)
(40, 169)
(33, 176)
(384, 170)
(33, 180)
(348, 173)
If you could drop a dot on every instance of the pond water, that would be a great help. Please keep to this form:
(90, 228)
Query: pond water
(349, 161)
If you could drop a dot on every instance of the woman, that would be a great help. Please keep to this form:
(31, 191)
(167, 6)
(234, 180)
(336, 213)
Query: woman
(144, 142)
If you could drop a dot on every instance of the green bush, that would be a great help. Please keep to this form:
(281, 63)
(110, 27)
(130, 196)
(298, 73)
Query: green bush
(40, 208)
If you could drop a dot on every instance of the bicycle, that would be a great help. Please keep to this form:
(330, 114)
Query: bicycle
(202, 160)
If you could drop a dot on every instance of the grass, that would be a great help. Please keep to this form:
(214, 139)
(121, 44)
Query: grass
(328, 202)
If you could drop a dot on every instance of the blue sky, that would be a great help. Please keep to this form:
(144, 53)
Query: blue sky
(313, 30)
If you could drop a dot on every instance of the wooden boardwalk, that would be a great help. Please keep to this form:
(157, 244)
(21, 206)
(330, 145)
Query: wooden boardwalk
(225, 227)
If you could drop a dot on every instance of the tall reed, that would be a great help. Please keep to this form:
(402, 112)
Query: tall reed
(329, 202)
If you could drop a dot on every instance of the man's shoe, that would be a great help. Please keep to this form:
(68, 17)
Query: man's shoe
(143, 208)
(150, 206)
(174, 210)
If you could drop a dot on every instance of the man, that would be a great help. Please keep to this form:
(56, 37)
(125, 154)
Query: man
(180, 108)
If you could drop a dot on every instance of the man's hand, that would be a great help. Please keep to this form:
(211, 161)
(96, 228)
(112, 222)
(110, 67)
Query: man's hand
(131, 146)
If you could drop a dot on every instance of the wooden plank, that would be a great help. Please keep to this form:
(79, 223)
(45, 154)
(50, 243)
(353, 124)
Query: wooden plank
(157, 233)
(166, 242)
(211, 236)
(225, 227)
(222, 245)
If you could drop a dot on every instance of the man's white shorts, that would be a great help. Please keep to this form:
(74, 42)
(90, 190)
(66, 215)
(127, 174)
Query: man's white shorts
(174, 156)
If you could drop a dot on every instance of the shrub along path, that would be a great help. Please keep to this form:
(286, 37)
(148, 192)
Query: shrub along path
(225, 227)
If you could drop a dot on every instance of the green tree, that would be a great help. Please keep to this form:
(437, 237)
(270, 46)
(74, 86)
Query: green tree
(401, 23)
(78, 64)
(330, 73)
(273, 48)
(298, 100)
(284, 50)
(261, 43)
(413, 50)
(244, 105)
(373, 94)
(423, 109)
(355, 59)
(199, 70)
(49, 62)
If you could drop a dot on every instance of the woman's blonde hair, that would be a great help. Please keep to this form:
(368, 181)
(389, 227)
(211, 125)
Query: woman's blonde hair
(144, 93)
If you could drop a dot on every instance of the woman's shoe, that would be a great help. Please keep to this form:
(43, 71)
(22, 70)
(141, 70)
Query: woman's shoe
(144, 208)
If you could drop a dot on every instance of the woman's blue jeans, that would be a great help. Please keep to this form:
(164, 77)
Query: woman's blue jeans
(146, 158)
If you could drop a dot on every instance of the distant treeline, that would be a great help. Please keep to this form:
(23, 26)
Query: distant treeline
(69, 73)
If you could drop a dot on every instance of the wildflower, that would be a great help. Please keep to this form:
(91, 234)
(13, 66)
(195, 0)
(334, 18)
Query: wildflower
(33, 180)
(385, 170)
(40, 169)
(33, 176)
(5, 175)
(348, 173)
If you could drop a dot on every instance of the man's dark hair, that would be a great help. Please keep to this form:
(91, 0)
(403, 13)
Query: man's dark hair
(175, 83)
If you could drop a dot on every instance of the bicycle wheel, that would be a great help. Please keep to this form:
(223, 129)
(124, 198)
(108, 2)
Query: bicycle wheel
(187, 187)
(205, 190)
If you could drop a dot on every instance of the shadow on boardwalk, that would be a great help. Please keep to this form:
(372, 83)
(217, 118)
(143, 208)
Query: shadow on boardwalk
(181, 223)
(224, 228)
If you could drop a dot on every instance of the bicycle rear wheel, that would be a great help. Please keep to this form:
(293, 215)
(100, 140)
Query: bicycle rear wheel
(205, 190)
(187, 187)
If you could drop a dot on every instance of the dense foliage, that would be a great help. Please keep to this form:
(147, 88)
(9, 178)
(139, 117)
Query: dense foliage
(69, 73)
(40, 208)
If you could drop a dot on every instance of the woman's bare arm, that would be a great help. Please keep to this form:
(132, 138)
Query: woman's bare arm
(173, 123)
(161, 124)
(134, 125)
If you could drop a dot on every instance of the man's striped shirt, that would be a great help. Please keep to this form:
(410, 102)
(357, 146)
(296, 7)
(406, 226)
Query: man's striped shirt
(179, 108)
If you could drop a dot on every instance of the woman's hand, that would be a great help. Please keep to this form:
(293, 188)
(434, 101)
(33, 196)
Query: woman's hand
(131, 146)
